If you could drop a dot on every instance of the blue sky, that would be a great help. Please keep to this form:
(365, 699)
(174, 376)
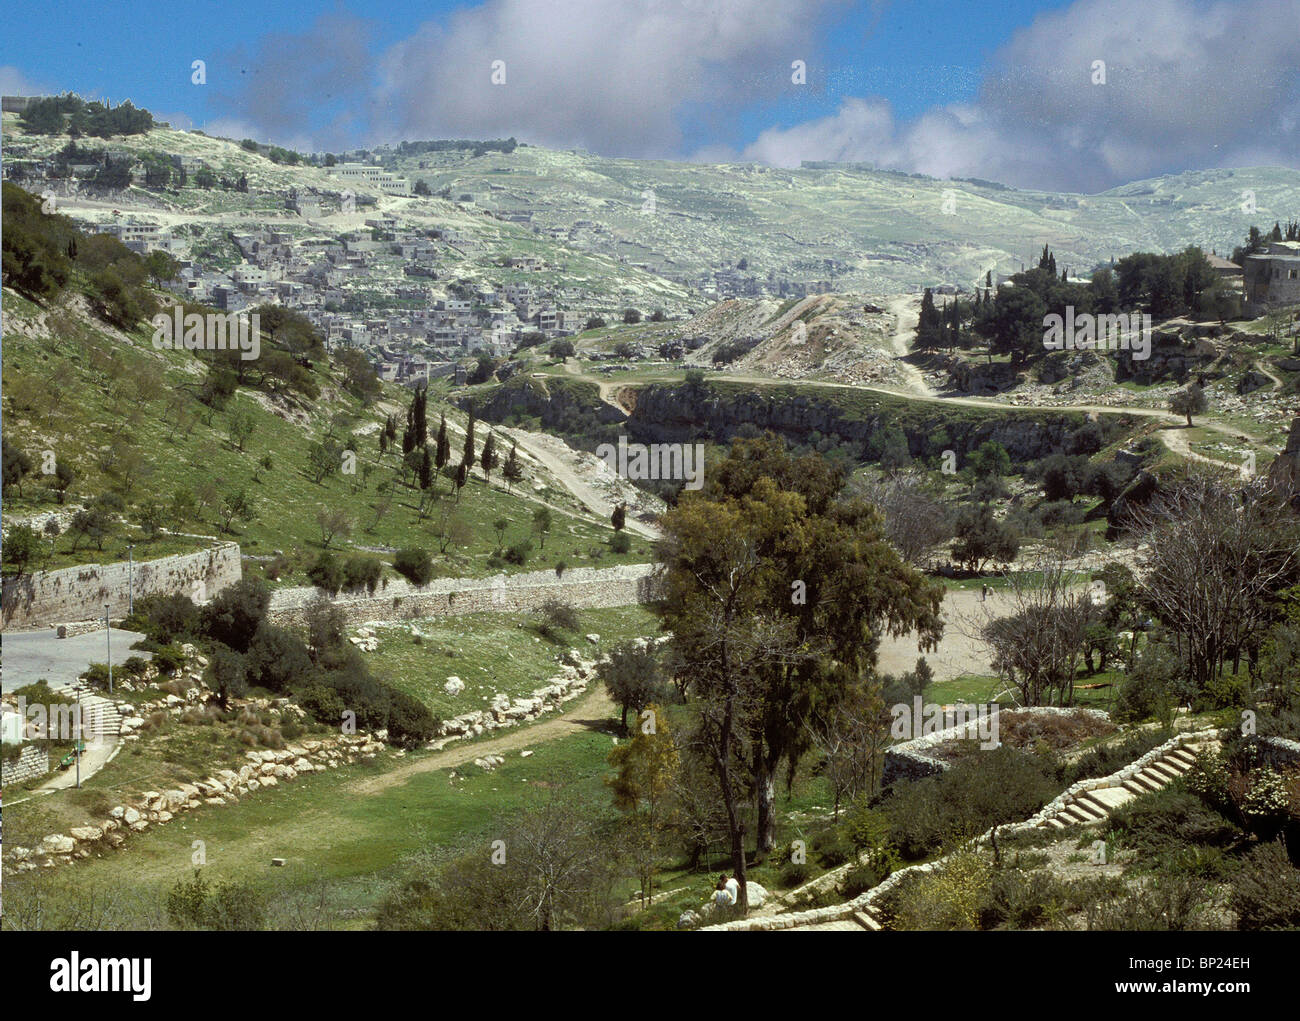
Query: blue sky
(955, 88)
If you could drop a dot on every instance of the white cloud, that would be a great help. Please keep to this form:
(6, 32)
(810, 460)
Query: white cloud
(1188, 83)
(611, 76)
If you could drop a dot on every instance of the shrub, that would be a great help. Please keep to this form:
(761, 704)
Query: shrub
(278, 659)
(362, 572)
(326, 573)
(236, 611)
(620, 542)
(1265, 892)
(323, 704)
(168, 659)
(518, 553)
(556, 616)
(794, 874)
(410, 723)
(414, 564)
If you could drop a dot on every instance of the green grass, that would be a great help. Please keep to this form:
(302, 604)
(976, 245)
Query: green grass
(491, 652)
(84, 391)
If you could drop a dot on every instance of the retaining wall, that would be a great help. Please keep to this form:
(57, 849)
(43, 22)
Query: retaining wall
(583, 587)
(79, 593)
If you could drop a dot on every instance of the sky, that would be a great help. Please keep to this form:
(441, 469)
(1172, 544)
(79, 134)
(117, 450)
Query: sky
(1071, 96)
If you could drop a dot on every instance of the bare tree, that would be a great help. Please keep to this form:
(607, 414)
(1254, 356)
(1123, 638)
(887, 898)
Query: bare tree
(1039, 646)
(915, 521)
(1215, 550)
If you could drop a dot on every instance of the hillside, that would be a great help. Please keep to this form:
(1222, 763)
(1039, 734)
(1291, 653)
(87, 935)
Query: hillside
(653, 232)
(125, 417)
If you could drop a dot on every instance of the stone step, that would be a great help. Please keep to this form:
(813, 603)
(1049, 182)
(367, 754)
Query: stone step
(1074, 813)
(865, 919)
(1107, 799)
(1167, 774)
(1150, 781)
(1135, 788)
(1182, 755)
(1054, 823)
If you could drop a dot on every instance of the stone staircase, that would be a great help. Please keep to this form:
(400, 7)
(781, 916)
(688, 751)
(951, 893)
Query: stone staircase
(100, 717)
(1093, 806)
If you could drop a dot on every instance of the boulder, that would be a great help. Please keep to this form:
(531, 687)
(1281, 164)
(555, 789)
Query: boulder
(57, 843)
(454, 686)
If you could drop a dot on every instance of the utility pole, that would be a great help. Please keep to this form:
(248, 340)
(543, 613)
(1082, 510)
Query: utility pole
(108, 645)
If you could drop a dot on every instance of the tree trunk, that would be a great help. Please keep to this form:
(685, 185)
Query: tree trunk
(765, 790)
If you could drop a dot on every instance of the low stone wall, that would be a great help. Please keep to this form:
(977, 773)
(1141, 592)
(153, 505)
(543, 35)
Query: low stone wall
(836, 912)
(1280, 751)
(584, 587)
(31, 763)
(79, 593)
(909, 760)
(265, 768)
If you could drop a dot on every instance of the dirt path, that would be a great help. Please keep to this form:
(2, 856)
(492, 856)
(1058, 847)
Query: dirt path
(907, 315)
(590, 711)
(1176, 440)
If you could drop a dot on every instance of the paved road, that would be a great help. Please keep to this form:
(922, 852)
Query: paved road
(30, 656)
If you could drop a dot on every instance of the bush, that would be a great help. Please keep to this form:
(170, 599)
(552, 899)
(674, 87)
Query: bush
(326, 573)
(236, 612)
(620, 542)
(410, 723)
(324, 705)
(794, 874)
(168, 659)
(165, 618)
(414, 564)
(1266, 891)
(518, 553)
(362, 572)
(278, 659)
(1004, 785)
(557, 616)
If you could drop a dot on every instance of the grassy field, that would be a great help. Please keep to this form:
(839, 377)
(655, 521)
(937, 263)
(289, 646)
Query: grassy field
(125, 417)
(491, 652)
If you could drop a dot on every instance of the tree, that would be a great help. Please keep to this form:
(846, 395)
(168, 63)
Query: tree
(632, 676)
(631, 316)
(499, 526)
(775, 591)
(334, 522)
(542, 524)
(422, 188)
(1038, 647)
(1189, 401)
(562, 349)
(16, 465)
(852, 735)
(488, 457)
(982, 537)
(512, 469)
(22, 544)
(64, 476)
(226, 674)
(241, 425)
(467, 454)
(442, 446)
(236, 612)
(915, 520)
(646, 771)
(1214, 552)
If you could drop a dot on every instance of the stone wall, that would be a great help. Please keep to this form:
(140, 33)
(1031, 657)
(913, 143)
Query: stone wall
(31, 762)
(909, 760)
(584, 587)
(79, 593)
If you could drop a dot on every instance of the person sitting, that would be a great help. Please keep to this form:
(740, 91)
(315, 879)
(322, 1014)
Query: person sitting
(722, 895)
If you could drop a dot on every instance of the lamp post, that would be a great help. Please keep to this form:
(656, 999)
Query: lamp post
(108, 645)
(130, 580)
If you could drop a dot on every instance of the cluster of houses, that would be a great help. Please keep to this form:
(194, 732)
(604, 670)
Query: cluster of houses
(421, 334)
